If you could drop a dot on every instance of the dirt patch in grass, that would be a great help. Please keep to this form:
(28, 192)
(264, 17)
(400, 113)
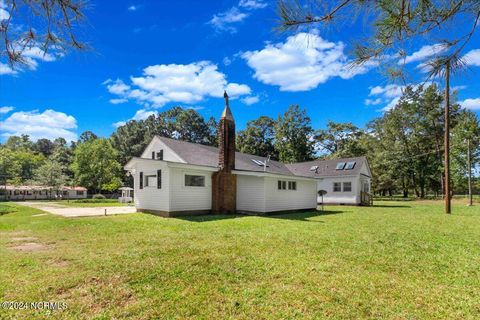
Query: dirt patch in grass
(23, 239)
(59, 263)
(30, 247)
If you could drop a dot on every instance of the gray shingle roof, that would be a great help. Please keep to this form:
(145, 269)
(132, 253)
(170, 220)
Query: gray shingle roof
(198, 154)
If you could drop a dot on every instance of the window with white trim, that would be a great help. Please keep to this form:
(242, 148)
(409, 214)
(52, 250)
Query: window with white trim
(151, 180)
(347, 187)
(337, 187)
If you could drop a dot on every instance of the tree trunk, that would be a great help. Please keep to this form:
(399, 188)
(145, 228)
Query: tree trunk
(448, 208)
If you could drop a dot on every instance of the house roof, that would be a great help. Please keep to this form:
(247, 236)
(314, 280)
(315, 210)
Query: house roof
(326, 168)
(33, 187)
(198, 154)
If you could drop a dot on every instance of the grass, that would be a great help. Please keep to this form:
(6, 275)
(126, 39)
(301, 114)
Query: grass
(394, 261)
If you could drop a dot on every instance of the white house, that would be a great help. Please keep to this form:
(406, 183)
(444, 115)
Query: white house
(174, 178)
(343, 181)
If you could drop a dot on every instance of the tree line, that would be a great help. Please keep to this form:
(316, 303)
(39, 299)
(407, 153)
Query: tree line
(404, 146)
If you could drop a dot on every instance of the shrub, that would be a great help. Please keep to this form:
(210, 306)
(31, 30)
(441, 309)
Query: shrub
(98, 196)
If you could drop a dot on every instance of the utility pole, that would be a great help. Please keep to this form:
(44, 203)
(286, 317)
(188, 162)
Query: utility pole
(448, 208)
(469, 161)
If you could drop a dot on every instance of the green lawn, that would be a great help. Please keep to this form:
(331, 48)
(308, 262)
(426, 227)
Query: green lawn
(397, 260)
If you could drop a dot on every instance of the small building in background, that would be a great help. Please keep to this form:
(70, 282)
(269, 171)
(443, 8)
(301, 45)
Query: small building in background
(10, 192)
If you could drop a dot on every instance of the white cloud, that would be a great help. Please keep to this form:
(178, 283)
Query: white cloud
(472, 58)
(223, 21)
(471, 104)
(6, 109)
(6, 69)
(251, 100)
(388, 91)
(181, 83)
(227, 61)
(424, 53)
(389, 94)
(132, 8)
(141, 114)
(118, 101)
(49, 124)
(252, 4)
(373, 102)
(302, 62)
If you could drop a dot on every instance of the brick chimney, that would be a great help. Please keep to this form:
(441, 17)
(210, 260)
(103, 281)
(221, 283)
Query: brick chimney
(224, 182)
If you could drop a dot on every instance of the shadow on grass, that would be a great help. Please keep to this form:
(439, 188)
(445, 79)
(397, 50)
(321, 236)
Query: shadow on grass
(300, 216)
(304, 216)
(389, 206)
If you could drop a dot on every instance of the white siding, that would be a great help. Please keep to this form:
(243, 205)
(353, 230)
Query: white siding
(352, 197)
(151, 198)
(185, 198)
(155, 146)
(280, 200)
(250, 193)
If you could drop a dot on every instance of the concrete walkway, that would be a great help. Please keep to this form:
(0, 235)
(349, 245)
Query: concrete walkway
(60, 210)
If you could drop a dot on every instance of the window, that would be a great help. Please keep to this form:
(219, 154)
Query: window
(347, 187)
(159, 179)
(337, 187)
(340, 166)
(350, 165)
(282, 185)
(153, 154)
(65, 193)
(292, 185)
(194, 181)
(150, 180)
(79, 193)
(141, 180)
(160, 155)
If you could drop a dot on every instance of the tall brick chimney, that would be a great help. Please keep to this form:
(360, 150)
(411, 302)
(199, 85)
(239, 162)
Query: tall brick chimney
(224, 182)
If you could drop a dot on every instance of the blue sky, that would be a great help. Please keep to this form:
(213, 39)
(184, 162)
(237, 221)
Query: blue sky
(151, 55)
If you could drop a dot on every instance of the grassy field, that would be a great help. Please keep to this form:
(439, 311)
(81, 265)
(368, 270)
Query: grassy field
(396, 260)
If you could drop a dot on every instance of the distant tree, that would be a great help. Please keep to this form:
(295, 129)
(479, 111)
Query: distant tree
(466, 128)
(96, 166)
(87, 136)
(258, 138)
(40, 26)
(44, 146)
(183, 124)
(340, 140)
(10, 168)
(19, 142)
(294, 136)
(51, 175)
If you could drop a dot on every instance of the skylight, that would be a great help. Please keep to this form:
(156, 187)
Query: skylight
(314, 168)
(340, 166)
(350, 165)
(258, 162)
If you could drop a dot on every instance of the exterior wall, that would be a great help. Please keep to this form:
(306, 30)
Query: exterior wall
(183, 198)
(151, 198)
(352, 197)
(155, 146)
(283, 200)
(250, 194)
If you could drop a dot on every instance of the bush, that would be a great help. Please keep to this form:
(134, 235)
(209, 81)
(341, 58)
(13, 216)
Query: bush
(98, 196)
(94, 201)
